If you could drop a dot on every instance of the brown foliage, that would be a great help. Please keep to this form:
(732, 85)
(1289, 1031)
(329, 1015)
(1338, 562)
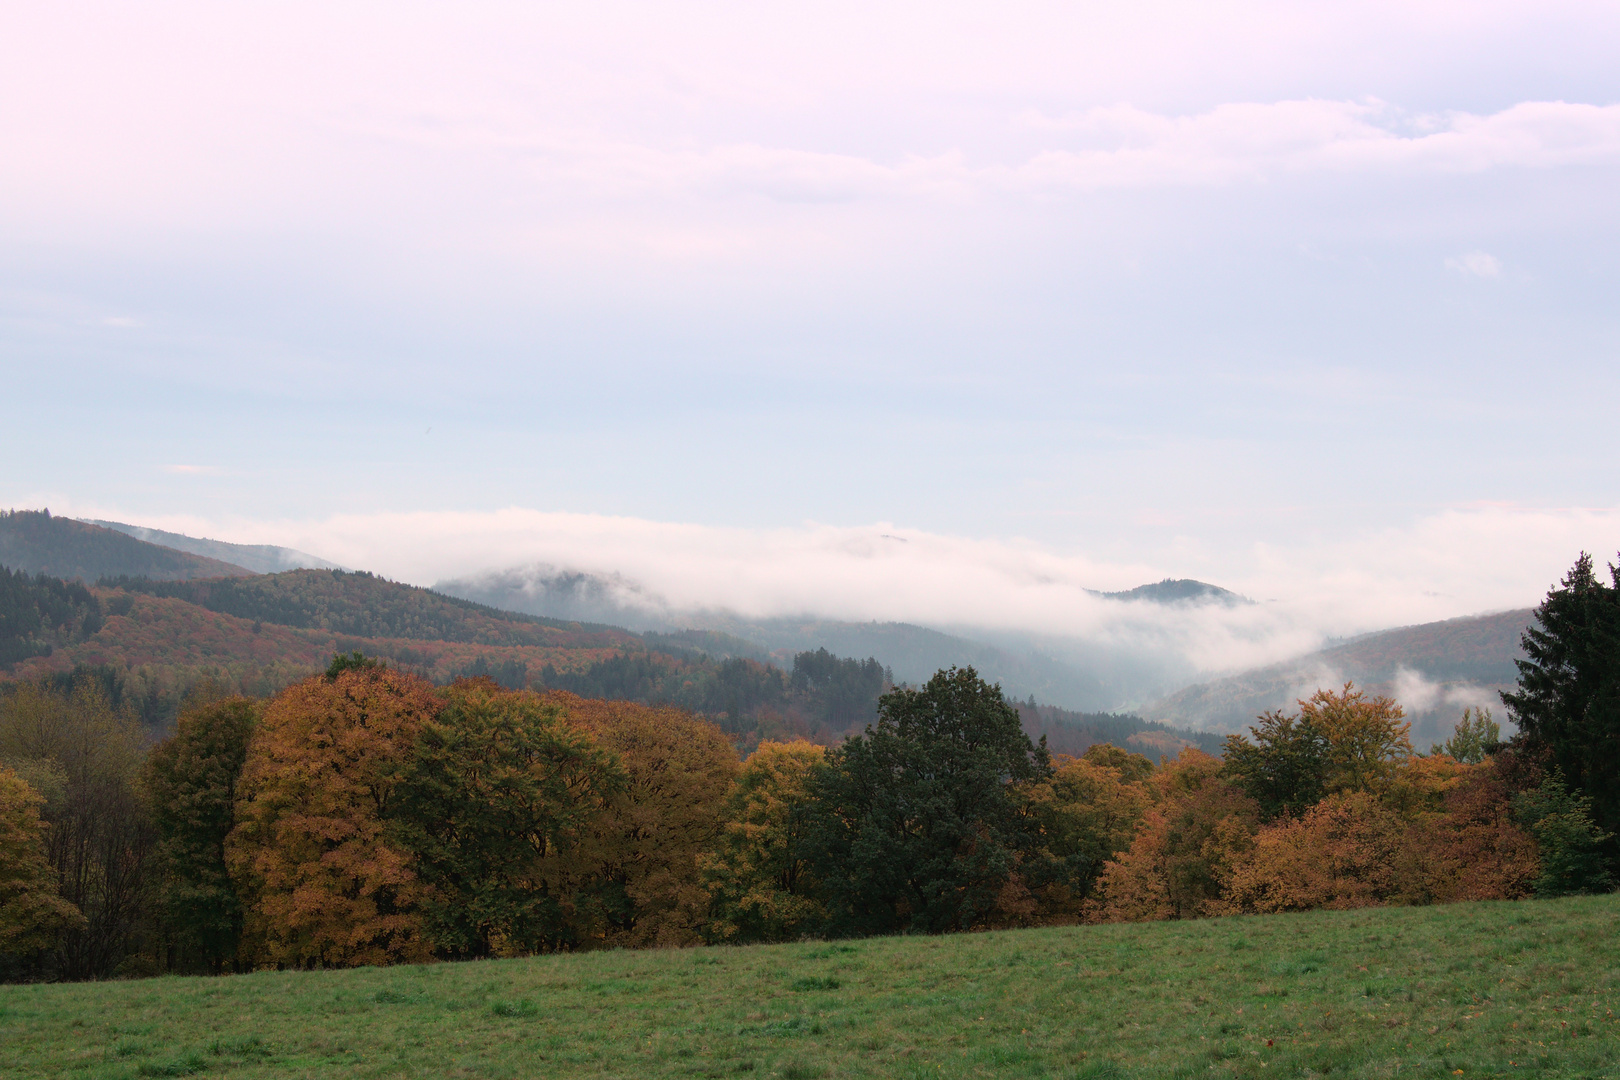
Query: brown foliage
(321, 884)
(1341, 853)
(1178, 865)
(1473, 850)
(680, 768)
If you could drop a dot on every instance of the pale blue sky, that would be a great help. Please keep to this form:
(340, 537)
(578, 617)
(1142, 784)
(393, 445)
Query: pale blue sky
(1153, 284)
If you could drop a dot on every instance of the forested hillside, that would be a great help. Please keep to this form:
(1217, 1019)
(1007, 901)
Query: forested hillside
(259, 558)
(37, 542)
(37, 613)
(152, 639)
(363, 605)
(1467, 661)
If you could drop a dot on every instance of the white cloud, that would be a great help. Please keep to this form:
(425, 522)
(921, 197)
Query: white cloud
(1456, 563)
(1419, 693)
(1477, 264)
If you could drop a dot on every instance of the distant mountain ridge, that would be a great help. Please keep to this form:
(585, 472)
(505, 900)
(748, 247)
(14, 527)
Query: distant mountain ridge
(1435, 670)
(259, 558)
(1178, 591)
(1095, 679)
(36, 542)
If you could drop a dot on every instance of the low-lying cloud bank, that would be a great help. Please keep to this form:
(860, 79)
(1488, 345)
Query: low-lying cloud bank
(1307, 588)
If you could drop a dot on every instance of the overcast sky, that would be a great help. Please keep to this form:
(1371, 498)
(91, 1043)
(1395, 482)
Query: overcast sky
(1292, 297)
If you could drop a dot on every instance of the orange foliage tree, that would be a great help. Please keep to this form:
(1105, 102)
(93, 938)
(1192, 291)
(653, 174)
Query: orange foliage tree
(1177, 867)
(1344, 852)
(1367, 739)
(678, 770)
(321, 883)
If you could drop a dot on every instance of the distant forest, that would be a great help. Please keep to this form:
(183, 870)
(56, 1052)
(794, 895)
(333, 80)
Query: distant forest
(39, 612)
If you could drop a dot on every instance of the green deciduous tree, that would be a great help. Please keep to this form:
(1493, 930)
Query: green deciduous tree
(494, 805)
(1475, 736)
(1339, 741)
(1571, 844)
(1284, 768)
(190, 782)
(916, 825)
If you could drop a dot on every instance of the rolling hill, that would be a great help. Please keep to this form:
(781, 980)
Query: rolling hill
(1434, 669)
(36, 542)
(259, 558)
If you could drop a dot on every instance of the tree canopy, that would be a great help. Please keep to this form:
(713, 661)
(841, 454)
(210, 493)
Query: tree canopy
(916, 827)
(1567, 704)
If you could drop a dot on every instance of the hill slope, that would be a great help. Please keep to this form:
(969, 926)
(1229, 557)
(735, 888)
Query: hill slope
(37, 543)
(259, 558)
(1434, 670)
(363, 605)
(1494, 989)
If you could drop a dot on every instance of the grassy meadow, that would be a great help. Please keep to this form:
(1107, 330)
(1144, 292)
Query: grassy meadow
(1493, 989)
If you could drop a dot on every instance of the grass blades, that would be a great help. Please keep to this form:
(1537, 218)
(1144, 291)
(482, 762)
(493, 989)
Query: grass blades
(1525, 989)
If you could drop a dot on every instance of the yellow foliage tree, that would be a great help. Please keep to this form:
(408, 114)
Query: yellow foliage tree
(320, 882)
(1366, 738)
(678, 770)
(32, 913)
(759, 885)
(1086, 813)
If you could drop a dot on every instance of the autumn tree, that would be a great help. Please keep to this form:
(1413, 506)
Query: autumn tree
(1473, 848)
(321, 882)
(1198, 827)
(82, 753)
(916, 824)
(1341, 853)
(494, 803)
(190, 783)
(1085, 814)
(759, 876)
(1567, 704)
(32, 911)
(1338, 741)
(678, 769)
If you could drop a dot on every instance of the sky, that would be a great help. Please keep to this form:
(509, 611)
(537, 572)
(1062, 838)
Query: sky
(1314, 301)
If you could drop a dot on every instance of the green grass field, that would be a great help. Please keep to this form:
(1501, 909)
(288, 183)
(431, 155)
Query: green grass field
(1499, 989)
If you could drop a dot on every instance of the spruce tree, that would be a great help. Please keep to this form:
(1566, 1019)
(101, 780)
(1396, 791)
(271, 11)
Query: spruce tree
(1567, 704)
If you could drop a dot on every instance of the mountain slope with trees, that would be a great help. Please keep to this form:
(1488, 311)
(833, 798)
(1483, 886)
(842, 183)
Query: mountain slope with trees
(259, 558)
(1467, 660)
(37, 542)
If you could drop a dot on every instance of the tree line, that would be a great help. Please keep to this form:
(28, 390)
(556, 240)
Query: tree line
(365, 816)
